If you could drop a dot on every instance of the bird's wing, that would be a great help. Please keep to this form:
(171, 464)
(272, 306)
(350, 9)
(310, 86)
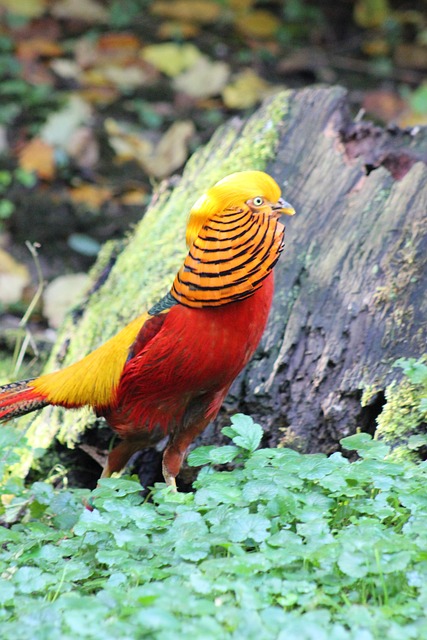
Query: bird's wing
(94, 379)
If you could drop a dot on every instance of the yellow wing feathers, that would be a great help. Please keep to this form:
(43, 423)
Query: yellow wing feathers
(94, 379)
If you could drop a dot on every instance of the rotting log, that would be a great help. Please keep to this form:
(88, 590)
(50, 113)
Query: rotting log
(350, 286)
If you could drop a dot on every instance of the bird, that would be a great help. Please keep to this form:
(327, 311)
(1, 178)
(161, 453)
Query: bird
(168, 371)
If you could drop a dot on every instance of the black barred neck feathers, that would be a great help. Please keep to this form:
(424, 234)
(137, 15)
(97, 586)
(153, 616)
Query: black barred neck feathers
(230, 258)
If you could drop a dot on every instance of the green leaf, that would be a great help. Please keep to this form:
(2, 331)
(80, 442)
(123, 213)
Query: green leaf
(352, 564)
(200, 456)
(419, 440)
(365, 446)
(222, 455)
(415, 370)
(244, 432)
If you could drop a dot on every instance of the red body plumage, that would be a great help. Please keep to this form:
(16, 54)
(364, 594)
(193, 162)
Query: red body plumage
(194, 354)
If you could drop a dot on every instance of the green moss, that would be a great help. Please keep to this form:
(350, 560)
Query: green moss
(144, 270)
(369, 394)
(403, 416)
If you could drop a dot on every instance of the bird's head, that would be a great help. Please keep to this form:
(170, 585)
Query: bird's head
(255, 190)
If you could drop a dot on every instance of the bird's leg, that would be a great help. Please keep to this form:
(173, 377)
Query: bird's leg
(172, 461)
(119, 456)
(176, 449)
(169, 479)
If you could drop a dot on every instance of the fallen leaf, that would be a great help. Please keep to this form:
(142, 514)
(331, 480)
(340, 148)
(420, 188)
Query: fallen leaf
(84, 244)
(204, 79)
(27, 8)
(102, 95)
(14, 277)
(136, 197)
(258, 24)
(127, 144)
(91, 195)
(83, 148)
(246, 89)
(383, 104)
(201, 11)
(411, 118)
(371, 13)
(376, 47)
(64, 68)
(84, 10)
(38, 156)
(416, 112)
(61, 294)
(241, 5)
(157, 160)
(177, 30)
(171, 58)
(411, 56)
(62, 125)
(129, 77)
(120, 46)
(33, 48)
(171, 152)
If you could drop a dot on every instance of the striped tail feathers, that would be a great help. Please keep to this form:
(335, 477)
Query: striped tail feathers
(19, 398)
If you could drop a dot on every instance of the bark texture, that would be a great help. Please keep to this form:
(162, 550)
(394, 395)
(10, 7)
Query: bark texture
(350, 285)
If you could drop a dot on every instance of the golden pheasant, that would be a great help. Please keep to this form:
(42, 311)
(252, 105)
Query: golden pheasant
(168, 371)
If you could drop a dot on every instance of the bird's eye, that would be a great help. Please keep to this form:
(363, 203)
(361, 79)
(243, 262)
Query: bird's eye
(258, 201)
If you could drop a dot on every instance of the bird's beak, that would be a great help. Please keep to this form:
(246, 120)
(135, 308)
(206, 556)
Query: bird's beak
(283, 208)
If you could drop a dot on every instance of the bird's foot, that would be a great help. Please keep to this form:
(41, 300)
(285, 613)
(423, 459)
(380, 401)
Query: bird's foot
(170, 481)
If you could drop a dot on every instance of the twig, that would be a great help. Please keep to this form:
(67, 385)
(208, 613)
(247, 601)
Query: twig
(21, 347)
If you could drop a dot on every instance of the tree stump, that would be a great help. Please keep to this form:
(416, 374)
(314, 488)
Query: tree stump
(350, 285)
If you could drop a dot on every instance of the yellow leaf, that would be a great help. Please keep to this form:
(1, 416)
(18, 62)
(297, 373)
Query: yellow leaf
(157, 160)
(371, 13)
(412, 118)
(14, 277)
(85, 10)
(90, 194)
(376, 47)
(136, 197)
(245, 91)
(27, 8)
(241, 5)
(204, 79)
(127, 144)
(177, 30)
(171, 152)
(258, 24)
(38, 156)
(171, 58)
(201, 11)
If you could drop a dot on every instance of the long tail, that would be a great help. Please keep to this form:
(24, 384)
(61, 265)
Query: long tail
(18, 398)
